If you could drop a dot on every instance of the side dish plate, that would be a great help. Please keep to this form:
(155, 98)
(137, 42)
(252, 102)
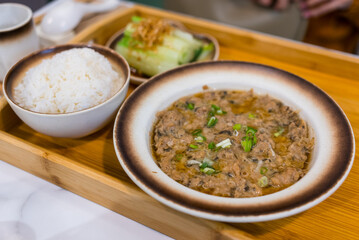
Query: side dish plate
(333, 153)
(137, 79)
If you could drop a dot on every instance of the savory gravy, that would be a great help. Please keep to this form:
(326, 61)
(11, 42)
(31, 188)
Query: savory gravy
(232, 143)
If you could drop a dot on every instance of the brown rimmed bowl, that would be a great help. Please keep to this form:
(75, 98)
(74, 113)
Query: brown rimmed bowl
(332, 157)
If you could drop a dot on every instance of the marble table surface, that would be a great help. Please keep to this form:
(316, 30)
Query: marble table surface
(34, 209)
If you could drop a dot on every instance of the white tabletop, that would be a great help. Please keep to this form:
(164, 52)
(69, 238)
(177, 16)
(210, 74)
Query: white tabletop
(34, 209)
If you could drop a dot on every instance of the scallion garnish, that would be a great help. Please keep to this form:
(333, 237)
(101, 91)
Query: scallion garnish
(193, 162)
(249, 140)
(251, 130)
(208, 170)
(179, 156)
(211, 145)
(263, 170)
(200, 139)
(247, 143)
(237, 126)
(203, 165)
(251, 116)
(212, 121)
(215, 110)
(196, 132)
(224, 144)
(263, 181)
(280, 131)
(254, 140)
(193, 146)
(190, 106)
(206, 167)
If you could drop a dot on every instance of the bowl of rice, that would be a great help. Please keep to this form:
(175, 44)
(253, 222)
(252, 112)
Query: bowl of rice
(69, 91)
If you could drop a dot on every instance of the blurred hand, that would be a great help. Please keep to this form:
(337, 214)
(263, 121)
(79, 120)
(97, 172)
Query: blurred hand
(315, 8)
(276, 4)
(309, 8)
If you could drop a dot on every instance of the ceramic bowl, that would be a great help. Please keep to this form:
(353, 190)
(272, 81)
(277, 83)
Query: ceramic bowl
(137, 79)
(75, 124)
(332, 156)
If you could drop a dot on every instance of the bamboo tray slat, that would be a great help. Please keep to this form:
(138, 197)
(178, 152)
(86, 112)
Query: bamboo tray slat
(89, 167)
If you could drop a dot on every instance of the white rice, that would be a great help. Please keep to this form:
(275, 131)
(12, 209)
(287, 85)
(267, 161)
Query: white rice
(70, 81)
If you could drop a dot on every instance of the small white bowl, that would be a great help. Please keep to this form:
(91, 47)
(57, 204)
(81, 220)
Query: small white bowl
(332, 157)
(75, 124)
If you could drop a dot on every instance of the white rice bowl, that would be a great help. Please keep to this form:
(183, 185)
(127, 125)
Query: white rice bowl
(70, 81)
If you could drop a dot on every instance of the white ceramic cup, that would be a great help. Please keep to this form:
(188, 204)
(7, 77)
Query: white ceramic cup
(17, 35)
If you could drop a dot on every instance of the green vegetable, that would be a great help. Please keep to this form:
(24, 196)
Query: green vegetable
(237, 127)
(206, 167)
(251, 130)
(280, 131)
(177, 47)
(249, 140)
(200, 138)
(196, 132)
(224, 144)
(179, 156)
(203, 165)
(190, 106)
(211, 145)
(263, 170)
(251, 116)
(247, 143)
(206, 52)
(215, 110)
(254, 140)
(263, 181)
(212, 121)
(208, 170)
(193, 146)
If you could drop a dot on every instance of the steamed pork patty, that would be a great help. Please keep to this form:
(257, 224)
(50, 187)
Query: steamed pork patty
(232, 143)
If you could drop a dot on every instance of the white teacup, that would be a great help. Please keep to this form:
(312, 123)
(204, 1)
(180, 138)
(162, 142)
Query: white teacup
(17, 35)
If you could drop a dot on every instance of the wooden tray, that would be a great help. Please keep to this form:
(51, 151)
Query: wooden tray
(89, 167)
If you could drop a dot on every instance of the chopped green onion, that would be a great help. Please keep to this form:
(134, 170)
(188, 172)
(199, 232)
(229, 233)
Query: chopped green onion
(263, 181)
(247, 143)
(263, 170)
(237, 126)
(251, 116)
(203, 165)
(212, 121)
(211, 145)
(251, 130)
(280, 131)
(208, 170)
(215, 108)
(200, 139)
(193, 146)
(235, 133)
(224, 144)
(196, 132)
(193, 162)
(206, 166)
(208, 161)
(249, 140)
(190, 106)
(179, 156)
(254, 140)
